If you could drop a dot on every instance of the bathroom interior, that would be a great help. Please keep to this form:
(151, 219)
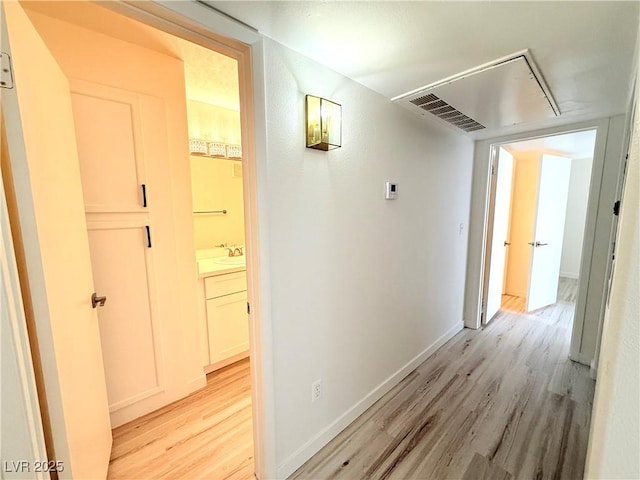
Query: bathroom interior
(158, 127)
(215, 158)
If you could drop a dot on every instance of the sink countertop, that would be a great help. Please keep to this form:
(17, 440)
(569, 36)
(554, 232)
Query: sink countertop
(207, 267)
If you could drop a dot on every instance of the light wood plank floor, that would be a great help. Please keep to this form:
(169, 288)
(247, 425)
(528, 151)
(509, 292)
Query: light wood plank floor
(498, 403)
(207, 435)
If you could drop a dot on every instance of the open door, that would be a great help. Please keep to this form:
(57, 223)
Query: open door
(46, 176)
(499, 242)
(553, 190)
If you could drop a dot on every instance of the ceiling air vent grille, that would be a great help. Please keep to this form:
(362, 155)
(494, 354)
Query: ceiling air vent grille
(446, 112)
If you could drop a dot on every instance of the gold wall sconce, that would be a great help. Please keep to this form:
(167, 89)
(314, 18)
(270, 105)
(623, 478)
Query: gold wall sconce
(324, 123)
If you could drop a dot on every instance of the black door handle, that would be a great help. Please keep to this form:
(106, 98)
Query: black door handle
(97, 301)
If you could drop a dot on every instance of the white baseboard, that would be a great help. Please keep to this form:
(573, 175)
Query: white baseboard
(226, 362)
(306, 451)
(571, 275)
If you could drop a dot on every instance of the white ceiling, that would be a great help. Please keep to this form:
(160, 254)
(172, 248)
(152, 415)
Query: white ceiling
(210, 77)
(583, 49)
(573, 145)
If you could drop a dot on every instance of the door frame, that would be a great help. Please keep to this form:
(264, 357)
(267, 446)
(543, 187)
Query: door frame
(18, 360)
(195, 22)
(491, 207)
(481, 227)
(209, 28)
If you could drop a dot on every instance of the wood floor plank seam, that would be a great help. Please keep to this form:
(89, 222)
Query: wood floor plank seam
(528, 408)
(500, 403)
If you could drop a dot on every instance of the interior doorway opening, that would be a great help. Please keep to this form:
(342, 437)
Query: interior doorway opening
(537, 214)
(121, 190)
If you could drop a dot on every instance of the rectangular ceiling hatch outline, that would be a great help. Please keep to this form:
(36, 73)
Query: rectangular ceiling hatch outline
(508, 91)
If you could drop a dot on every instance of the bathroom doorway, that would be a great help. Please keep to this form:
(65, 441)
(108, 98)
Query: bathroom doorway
(136, 211)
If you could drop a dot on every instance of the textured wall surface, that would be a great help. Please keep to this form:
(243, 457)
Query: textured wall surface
(360, 285)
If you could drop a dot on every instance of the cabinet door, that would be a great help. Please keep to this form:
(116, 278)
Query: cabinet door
(228, 329)
(123, 271)
(113, 171)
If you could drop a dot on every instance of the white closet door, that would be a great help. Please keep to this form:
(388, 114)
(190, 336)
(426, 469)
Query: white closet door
(118, 131)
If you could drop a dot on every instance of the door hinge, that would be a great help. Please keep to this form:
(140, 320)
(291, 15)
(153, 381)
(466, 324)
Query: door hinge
(493, 169)
(616, 208)
(248, 308)
(6, 71)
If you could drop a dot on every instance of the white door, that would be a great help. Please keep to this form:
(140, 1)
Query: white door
(46, 175)
(499, 243)
(546, 245)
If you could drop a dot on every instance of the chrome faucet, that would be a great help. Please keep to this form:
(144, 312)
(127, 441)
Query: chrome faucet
(235, 252)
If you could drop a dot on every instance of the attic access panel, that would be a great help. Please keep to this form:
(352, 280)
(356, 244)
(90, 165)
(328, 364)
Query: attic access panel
(506, 92)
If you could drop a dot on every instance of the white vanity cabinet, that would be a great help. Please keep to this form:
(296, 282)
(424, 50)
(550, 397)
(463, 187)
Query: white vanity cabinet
(226, 314)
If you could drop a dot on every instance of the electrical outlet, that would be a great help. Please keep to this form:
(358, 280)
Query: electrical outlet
(316, 389)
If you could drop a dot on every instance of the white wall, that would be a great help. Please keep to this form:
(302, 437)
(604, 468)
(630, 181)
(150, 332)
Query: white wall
(590, 313)
(214, 187)
(359, 285)
(614, 440)
(576, 216)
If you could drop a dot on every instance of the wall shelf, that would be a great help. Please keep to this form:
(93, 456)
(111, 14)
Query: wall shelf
(202, 155)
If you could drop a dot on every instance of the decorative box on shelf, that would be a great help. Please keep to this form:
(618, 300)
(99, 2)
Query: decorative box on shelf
(234, 151)
(217, 149)
(214, 149)
(198, 147)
